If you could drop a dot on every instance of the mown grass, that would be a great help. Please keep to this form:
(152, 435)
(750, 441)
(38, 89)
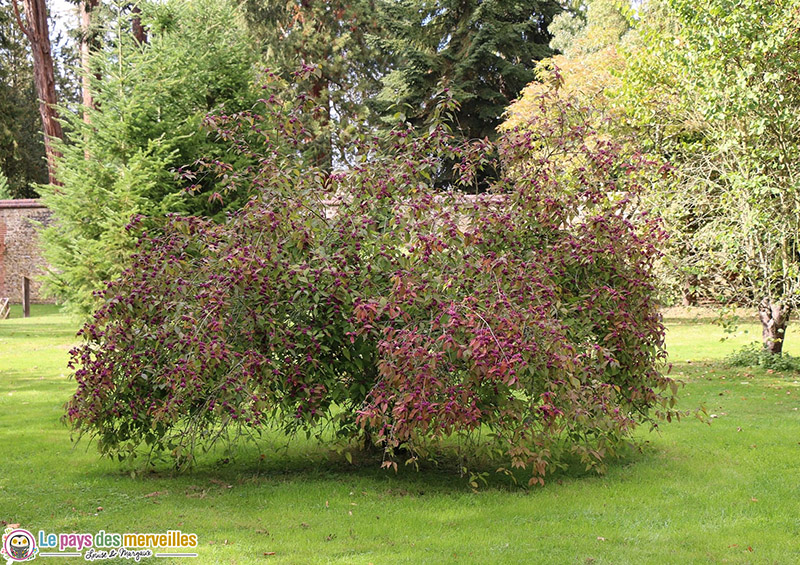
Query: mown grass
(696, 493)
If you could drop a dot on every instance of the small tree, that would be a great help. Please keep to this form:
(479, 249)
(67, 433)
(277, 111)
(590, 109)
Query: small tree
(368, 302)
(145, 123)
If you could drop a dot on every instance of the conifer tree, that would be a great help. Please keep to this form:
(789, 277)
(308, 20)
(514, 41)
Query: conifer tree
(150, 103)
(484, 52)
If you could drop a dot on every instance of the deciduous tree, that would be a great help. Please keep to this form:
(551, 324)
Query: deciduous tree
(332, 38)
(716, 89)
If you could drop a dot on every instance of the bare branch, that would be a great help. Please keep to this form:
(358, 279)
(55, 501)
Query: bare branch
(18, 17)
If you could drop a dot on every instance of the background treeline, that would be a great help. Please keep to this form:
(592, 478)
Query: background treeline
(150, 72)
(709, 90)
(375, 59)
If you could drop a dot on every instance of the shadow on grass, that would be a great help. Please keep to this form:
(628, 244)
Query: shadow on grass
(309, 462)
(40, 381)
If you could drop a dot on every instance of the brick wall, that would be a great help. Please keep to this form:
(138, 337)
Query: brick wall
(19, 248)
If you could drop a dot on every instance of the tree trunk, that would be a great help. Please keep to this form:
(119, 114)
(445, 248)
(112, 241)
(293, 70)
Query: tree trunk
(774, 319)
(369, 445)
(44, 77)
(139, 33)
(87, 6)
(689, 294)
(323, 151)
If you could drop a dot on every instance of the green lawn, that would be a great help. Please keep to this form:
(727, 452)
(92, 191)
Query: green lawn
(721, 493)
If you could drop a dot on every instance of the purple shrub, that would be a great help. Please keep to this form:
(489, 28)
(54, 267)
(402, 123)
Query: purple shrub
(372, 302)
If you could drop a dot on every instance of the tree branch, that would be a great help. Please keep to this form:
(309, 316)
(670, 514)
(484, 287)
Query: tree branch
(17, 15)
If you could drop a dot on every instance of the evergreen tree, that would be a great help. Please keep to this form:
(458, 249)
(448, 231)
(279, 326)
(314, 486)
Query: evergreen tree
(150, 104)
(484, 52)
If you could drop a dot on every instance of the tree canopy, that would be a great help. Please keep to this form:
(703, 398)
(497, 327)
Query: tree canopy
(484, 53)
(715, 90)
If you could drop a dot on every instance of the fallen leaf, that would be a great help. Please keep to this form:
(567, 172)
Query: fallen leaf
(600, 538)
(269, 553)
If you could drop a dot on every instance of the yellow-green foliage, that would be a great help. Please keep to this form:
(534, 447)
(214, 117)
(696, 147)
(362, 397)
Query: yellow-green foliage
(4, 194)
(587, 72)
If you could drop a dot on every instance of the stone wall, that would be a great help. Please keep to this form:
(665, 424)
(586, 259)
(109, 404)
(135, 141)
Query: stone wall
(19, 248)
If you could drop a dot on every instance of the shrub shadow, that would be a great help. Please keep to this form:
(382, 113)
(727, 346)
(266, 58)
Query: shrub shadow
(309, 462)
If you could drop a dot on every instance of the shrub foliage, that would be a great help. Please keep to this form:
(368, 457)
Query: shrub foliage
(755, 355)
(369, 303)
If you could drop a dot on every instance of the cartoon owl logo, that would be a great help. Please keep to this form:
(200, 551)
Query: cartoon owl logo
(19, 545)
